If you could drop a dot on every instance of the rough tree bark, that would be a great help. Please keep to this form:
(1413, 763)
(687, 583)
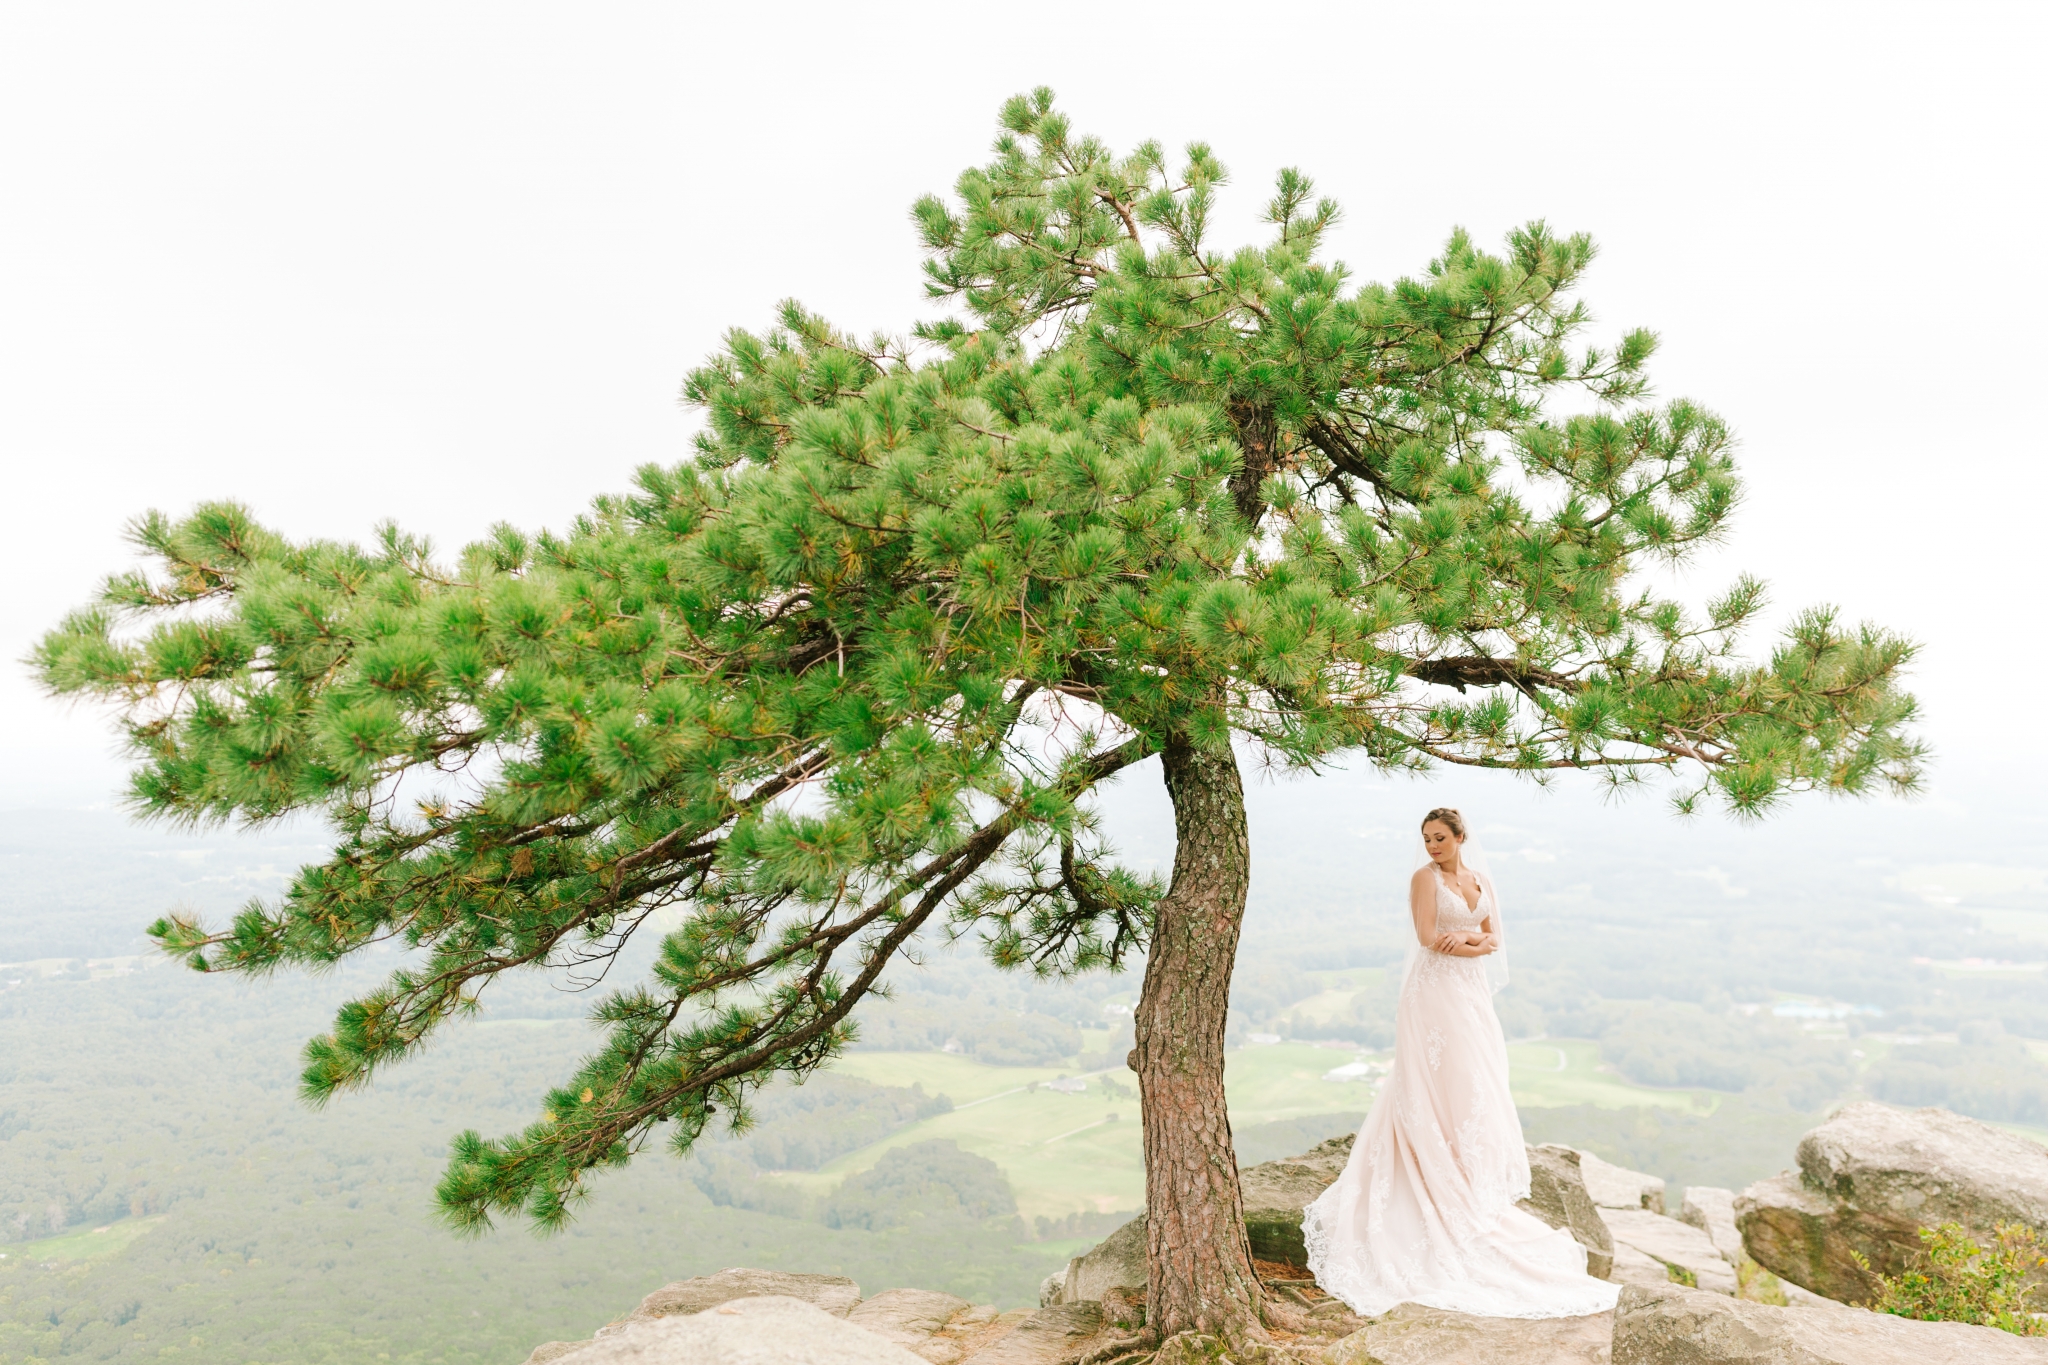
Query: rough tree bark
(1201, 1276)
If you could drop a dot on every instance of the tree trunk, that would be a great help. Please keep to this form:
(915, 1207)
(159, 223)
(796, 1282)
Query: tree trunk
(1200, 1276)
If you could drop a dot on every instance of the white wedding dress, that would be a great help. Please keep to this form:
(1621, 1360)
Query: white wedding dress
(1425, 1209)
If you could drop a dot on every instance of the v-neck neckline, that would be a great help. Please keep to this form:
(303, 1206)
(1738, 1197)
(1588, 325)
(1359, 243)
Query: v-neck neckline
(1472, 907)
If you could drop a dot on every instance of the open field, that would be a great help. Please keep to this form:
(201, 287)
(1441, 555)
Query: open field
(89, 1244)
(1333, 1001)
(1061, 1152)
(1066, 1152)
(1551, 1073)
(2030, 925)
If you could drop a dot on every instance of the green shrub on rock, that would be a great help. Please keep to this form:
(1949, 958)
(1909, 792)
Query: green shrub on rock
(1963, 1282)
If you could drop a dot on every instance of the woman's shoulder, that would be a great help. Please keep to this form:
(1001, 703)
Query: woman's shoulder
(1424, 876)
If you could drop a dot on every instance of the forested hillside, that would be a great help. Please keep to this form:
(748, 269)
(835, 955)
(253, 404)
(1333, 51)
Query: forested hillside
(162, 1189)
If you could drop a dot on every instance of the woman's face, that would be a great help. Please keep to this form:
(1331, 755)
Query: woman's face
(1441, 843)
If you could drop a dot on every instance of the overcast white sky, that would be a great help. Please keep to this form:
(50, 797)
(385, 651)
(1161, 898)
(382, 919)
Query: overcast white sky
(448, 263)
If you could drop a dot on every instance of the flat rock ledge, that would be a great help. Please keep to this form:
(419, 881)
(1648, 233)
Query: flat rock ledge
(1664, 1245)
(1618, 1187)
(771, 1329)
(1679, 1326)
(767, 1317)
(1410, 1334)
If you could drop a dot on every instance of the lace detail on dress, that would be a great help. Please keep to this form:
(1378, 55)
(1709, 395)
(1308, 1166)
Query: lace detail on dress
(1425, 1209)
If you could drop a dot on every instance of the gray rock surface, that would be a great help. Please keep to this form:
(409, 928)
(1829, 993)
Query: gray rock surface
(1678, 1326)
(1871, 1177)
(1711, 1209)
(967, 1333)
(1617, 1187)
(1059, 1335)
(1053, 1287)
(908, 1317)
(1275, 1193)
(554, 1350)
(1634, 1267)
(835, 1294)
(1672, 1243)
(1414, 1335)
(1116, 1262)
(769, 1330)
(1557, 1195)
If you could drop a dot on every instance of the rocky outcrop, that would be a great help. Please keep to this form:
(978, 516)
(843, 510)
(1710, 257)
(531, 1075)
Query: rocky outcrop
(1870, 1178)
(832, 1294)
(1674, 1246)
(1712, 1210)
(932, 1328)
(1558, 1195)
(1633, 1267)
(1276, 1192)
(1059, 1335)
(912, 1318)
(1116, 1262)
(768, 1330)
(1617, 1187)
(1414, 1335)
(835, 1294)
(1673, 1325)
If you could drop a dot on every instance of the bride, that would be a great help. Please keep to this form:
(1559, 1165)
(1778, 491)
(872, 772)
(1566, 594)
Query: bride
(1425, 1210)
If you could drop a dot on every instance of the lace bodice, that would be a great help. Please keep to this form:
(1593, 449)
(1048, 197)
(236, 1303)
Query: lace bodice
(1453, 916)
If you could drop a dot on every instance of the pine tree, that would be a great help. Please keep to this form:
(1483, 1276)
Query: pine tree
(848, 676)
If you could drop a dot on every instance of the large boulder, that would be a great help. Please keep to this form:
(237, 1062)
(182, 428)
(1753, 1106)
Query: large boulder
(1712, 1210)
(1617, 1187)
(834, 1294)
(1116, 1262)
(1557, 1195)
(1414, 1335)
(1871, 1177)
(770, 1330)
(1276, 1192)
(1673, 1325)
(1674, 1246)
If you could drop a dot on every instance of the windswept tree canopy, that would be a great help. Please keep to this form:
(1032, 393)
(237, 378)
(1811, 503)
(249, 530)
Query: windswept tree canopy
(848, 675)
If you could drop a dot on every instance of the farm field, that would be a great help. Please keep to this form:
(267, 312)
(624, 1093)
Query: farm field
(1064, 1152)
(1551, 1073)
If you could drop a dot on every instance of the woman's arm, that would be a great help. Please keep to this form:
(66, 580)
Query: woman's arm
(1488, 936)
(1422, 905)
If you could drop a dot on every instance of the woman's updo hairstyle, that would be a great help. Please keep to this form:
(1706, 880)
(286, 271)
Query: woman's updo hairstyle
(1448, 817)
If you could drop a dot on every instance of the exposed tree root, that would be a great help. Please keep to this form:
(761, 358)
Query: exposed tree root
(1123, 1351)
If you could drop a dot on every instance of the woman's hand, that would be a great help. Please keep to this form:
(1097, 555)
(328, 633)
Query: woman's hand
(1465, 945)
